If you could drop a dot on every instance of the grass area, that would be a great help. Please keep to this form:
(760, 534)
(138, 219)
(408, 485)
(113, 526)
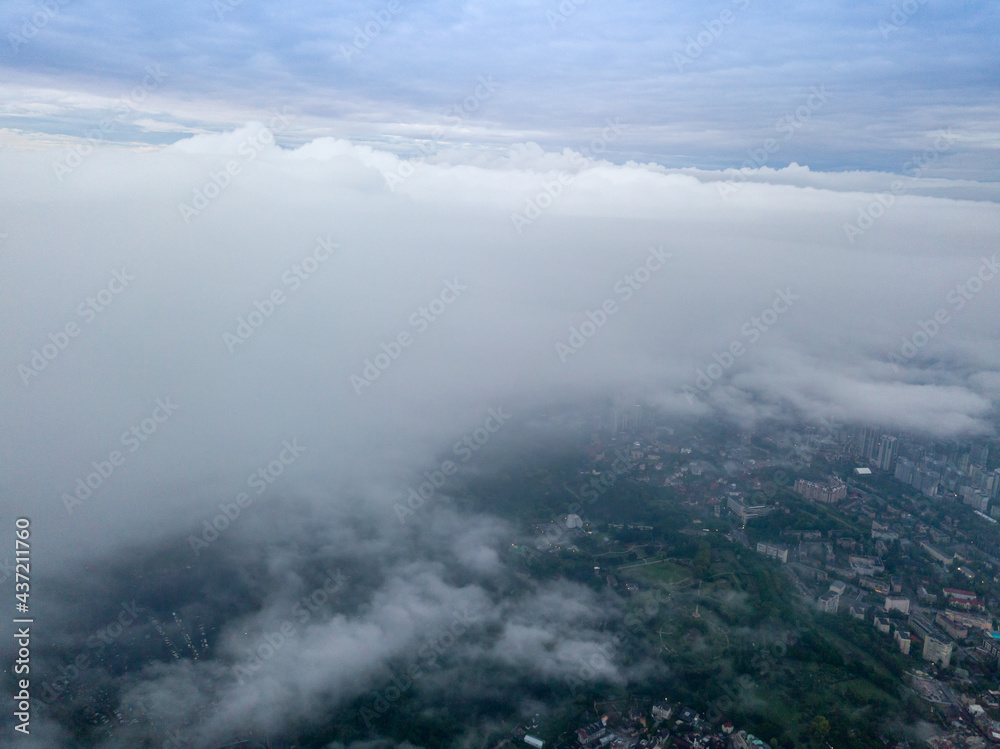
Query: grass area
(658, 572)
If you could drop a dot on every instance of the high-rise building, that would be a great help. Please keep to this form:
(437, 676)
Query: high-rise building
(980, 454)
(904, 470)
(993, 484)
(869, 442)
(620, 421)
(888, 447)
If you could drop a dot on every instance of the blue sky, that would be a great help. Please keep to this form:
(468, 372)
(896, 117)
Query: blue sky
(560, 74)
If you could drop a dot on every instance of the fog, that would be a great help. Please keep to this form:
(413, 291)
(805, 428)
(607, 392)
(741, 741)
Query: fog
(300, 334)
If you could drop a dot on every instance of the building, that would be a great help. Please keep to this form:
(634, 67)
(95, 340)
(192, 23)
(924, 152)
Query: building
(829, 602)
(532, 741)
(954, 629)
(866, 565)
(869, 442)
(888, 448)
(904, 470)
(991, 644)
(937, 651)
(970, 621)
(897, 603)
(862, 471)
(903, 641)
(993, 484)
(955, 594)
(773, 551)
(838, 587)
(744, 510)
(883, 625)
(975, 498)
(833, 491)
(880, 531)
(936, 555)
(662, 710)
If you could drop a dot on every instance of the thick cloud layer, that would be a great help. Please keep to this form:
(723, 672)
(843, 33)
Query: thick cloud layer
(222, 326)
(369, 312)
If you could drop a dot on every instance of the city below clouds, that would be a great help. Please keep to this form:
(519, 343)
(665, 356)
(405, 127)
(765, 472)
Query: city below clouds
(272, 275)
(273, 293)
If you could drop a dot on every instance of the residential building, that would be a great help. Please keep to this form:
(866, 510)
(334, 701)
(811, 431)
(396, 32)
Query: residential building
(888, 447)
(744, 510)
(773, 551)
(897, 603)
(829, 602)
(936, 555)
(833, 491)
(902, 637)
(904, 470)
(991, 644)
(954, 628)
(866, 565)
(937, 651)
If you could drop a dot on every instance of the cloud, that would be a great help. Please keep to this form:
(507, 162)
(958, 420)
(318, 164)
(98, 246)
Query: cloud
(366, 71)
(194, 323)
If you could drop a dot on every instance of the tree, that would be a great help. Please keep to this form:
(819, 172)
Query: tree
(703, 558)
(819, 729)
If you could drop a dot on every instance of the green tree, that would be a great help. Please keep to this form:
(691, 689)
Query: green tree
(819, 729)
(703, 558)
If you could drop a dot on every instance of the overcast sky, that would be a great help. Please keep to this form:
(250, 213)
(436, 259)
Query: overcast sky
(697, 84)
(228, 246)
